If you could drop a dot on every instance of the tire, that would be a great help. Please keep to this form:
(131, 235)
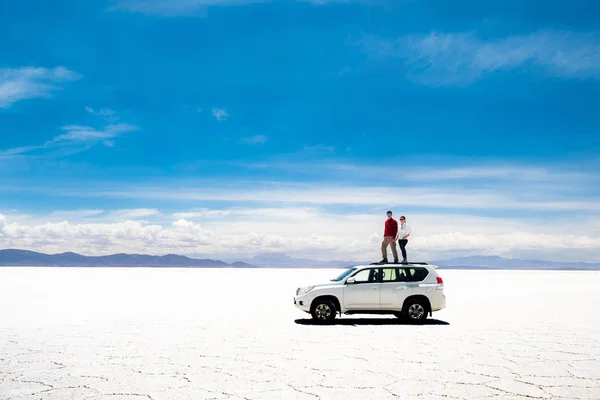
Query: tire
(415, 310)
(323, 311)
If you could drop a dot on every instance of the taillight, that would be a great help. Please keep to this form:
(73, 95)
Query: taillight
(439, 280)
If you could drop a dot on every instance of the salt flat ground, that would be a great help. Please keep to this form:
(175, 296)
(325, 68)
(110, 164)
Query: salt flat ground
(70, 333)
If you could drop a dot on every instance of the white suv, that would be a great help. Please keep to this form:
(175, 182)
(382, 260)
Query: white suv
(410, 290)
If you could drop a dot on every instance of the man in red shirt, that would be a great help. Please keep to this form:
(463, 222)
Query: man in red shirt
(389, 238)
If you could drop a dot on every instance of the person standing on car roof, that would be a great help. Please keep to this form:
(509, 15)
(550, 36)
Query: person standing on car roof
(390, 233)
(403, 235)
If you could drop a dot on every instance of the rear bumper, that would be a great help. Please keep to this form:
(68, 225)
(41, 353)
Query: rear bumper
(438, 300)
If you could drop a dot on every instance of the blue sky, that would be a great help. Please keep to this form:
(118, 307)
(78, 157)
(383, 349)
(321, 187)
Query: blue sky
(234, 127)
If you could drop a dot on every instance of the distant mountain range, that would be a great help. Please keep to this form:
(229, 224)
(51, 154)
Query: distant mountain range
(494, 262)
(13, 257)
(282, 260)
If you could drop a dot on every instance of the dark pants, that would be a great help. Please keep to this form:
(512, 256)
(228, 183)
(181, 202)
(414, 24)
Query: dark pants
(402, 243)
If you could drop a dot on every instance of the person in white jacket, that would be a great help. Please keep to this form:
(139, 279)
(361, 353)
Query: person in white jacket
(403, 234)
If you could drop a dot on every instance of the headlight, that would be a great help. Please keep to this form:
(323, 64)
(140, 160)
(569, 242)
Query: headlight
(304, 290)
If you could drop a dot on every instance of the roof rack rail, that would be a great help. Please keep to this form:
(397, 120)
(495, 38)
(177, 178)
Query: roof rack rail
(406, 263)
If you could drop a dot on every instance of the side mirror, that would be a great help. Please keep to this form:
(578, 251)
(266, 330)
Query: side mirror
(351, 280)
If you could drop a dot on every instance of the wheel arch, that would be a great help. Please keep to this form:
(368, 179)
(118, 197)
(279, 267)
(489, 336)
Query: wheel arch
(421, 297)
(329, 297)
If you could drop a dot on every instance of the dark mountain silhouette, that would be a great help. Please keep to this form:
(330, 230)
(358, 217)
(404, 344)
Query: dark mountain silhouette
(12, 257)
(240, 264)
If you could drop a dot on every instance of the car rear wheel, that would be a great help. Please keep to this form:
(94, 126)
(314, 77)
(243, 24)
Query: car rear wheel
(323, 311)
(415, 311)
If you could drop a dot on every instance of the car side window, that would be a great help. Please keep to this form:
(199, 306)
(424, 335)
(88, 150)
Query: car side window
(394, 275)
(417, 274)
(389, 275)
(402, 276)
(365, 276)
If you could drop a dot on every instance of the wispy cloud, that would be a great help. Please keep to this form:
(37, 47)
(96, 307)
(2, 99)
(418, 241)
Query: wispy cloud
(466, 173)
(487, 173)
(106, 113)
(130, 214)
(27, 83)
(74, 139)
(472, 185)
(220, 114)
(426, 195)
(79, 133)
(74, 214)
(478, 185)
(95, 215)
(462, 58)
(256, 139)
(15, 151)
(180, 8)
(200, 214)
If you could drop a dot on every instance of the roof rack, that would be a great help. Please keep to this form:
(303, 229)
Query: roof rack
(407, 263)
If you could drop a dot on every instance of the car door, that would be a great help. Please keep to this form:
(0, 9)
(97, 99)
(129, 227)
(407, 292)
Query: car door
(416, 276)
(363, 293)
(395, 288)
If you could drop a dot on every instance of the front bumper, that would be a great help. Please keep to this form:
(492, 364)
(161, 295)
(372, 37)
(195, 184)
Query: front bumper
(301, 303)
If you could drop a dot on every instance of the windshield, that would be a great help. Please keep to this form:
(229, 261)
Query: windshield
(344, 274)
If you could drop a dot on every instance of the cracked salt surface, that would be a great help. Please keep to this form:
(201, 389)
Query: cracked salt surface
(162, 334)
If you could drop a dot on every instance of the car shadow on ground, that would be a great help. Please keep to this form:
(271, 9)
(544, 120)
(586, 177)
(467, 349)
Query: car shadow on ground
(370, 321)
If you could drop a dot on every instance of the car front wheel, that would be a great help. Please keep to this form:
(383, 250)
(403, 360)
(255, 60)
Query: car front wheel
(323, 311)
(416, 310)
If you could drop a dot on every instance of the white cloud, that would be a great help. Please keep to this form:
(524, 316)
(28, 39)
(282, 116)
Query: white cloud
(241, 233)
(256, 139)
(475, 213)
(462, 58)
(27, 83)
(220, 114)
